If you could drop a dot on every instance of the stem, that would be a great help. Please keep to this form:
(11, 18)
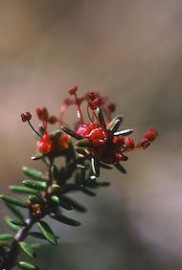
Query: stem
(34, 129)
(19, 236)
(79, 112)
(22, 233)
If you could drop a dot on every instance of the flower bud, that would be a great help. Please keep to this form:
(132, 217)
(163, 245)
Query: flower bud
(26, 117)
(73, 90)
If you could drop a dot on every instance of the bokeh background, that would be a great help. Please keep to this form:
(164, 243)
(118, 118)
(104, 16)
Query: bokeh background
(129, 51)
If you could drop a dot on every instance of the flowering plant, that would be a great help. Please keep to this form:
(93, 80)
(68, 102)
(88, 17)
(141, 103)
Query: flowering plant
(92, 144)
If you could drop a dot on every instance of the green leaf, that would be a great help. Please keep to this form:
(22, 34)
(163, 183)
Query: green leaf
(11, 225)
(83, 143)
(22, 189)
(67, 172)
(13, 200)
(35, 199)
(105, 166)
(33, 173)
(37, 157)
(72, 149)
(55, 187)
(27, 266)
(55, 172)
(80, 166)
(102, 184)
(27, 249)
(101, 118)
(47, 232)
(15, 211)
(66, 220)
(80, 177)
(5, 236)
(60, 201)
(17, 222)
(74, 204)
(120, 168)
(115, 123)
(81, 150)
(41, 186)
(124, 132)
(95, 167)
(57, 134)
(72, 133)
(55, 199)
(37, 235)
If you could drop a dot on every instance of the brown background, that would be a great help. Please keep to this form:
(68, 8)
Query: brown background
(131, 52)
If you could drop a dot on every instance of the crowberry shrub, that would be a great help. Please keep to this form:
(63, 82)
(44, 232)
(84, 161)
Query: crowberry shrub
(95, 142)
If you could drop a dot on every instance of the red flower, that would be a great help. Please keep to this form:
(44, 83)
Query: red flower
(43, 115)
(101, 137)
(48, 144)
(129, 143)
(73, 90)
(97, 136)
(150, 135)
(45, 145)
(94, 100)
(62, 143)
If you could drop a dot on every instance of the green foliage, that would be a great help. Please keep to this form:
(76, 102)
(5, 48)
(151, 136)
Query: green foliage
(5, 236)
(33, 173)
(23, 190)
(9, 222)
(27, 249)
(47, 232)
(66, 220)
(27, 266)
(13, 200)
(42, 186)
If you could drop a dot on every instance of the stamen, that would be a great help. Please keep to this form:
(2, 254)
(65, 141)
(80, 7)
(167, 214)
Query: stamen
(72, 91)
(89, 116)
(33, 129)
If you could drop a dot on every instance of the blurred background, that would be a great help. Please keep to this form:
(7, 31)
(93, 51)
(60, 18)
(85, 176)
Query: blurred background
(129, 51)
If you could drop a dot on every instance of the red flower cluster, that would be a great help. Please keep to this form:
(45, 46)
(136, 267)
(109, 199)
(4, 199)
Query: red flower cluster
(99, 135)
(43, 115)
(48, 143)
(102, 139)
